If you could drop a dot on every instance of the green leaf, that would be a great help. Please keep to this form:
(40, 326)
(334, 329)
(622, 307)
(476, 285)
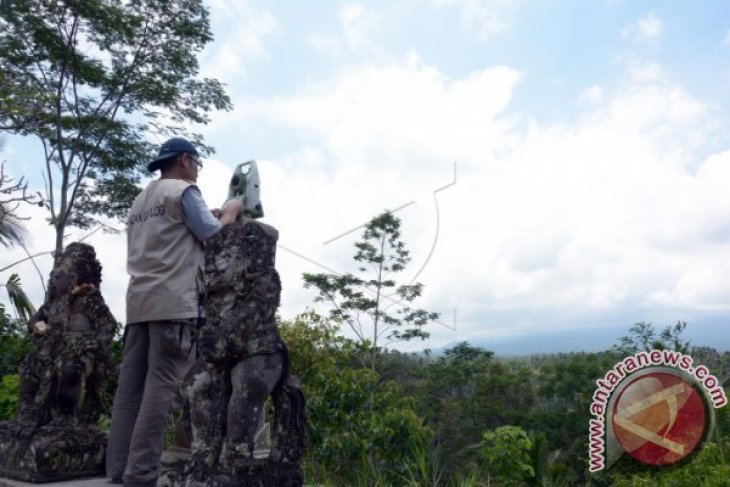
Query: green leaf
(22, 305)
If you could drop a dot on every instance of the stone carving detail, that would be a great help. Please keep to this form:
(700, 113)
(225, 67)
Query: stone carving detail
(242, 361)
(54, 435)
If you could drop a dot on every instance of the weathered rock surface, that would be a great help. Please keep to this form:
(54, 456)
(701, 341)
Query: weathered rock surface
(55, 435)
(242, 362)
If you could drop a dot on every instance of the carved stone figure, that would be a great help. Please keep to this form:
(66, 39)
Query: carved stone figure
(54, 435)
(242, 361)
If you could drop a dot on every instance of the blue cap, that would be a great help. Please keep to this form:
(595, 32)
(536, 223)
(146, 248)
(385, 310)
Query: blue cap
(169, 149)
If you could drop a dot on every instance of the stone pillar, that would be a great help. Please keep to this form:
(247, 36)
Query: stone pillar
(242, 361)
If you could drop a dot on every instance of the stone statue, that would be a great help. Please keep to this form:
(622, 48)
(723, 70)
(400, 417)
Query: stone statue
(242, 361)
(54, 435)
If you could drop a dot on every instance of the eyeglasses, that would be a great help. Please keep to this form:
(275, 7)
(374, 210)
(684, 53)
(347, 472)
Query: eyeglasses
(195, 159)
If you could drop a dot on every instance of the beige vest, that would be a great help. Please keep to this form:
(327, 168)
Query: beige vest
(164, 259)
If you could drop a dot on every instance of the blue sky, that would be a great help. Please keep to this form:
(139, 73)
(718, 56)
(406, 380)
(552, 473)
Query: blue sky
(589, 139)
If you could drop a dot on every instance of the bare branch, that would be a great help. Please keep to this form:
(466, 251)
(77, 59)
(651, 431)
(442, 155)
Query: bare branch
(49, 182)
(349, 322)
(8, 186)
(101, 226)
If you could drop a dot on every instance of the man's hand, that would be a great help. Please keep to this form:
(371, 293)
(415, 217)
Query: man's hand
(231, 210)
(216, 213)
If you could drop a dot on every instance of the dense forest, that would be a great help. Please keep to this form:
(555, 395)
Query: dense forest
(469, 418)
(461, 418)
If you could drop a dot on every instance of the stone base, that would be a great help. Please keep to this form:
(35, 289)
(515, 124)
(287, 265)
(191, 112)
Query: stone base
(259, 471)
(51, 453)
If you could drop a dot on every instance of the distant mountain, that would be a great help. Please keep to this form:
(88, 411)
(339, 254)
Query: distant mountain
(712, 333)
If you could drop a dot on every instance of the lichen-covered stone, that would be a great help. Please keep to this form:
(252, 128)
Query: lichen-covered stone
(242, 361)
(242, 294)
(54, 435)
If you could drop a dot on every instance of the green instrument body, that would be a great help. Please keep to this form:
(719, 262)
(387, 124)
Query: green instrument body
(246, 186)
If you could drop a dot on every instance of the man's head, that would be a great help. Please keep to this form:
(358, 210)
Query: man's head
(177, 159)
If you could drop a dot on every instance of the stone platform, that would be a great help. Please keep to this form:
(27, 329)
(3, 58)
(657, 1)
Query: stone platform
(89, 482)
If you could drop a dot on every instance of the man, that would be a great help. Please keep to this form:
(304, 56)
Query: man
(167, 226)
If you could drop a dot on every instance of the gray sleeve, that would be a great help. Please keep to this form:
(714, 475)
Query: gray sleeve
(197, 216)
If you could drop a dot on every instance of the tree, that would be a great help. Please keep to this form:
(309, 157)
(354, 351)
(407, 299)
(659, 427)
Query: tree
(15, 343)
(506, 453)
(447, 402)
(91, 79)
(18, 299)
(12, 232)
(365, 303)
(357, 424)
(643, 337)
(564, 392)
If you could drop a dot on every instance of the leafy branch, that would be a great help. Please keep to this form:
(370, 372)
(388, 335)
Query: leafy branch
(364, 302)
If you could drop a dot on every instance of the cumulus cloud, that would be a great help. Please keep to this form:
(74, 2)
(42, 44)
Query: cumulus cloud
(358, 23)
(329, 45)
(481, 17)
(240, 42)
(560, 218)
(593, 94)
(646, 29)
(414, 106)
(478, 16)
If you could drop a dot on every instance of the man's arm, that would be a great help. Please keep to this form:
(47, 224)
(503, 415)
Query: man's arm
(200, 220)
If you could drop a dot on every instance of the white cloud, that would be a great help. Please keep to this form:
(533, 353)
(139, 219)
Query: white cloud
(481, 17)
(359, 24)
(643, 71)
(478, 16)
(646, 29)
(593, 94)
(359, 31)
(364, 113)
(377, 137)
(566, 219)
(650, 27)
(328, 45)
(239, 41)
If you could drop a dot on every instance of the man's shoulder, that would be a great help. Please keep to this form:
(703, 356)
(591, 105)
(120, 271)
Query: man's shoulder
(168, 186)
(175, 184)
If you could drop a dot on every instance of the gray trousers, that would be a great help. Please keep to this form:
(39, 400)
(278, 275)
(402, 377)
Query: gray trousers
(157, 355)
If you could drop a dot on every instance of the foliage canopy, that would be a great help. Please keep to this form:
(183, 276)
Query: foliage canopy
(373, 304)
(91, 80)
